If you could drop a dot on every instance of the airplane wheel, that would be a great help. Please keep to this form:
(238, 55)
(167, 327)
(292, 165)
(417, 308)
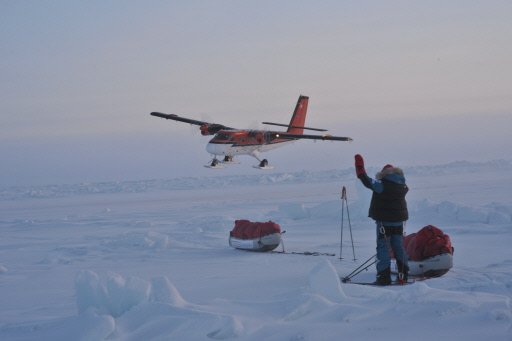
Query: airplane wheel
(215, 162)
(264, 163)
(228, 158)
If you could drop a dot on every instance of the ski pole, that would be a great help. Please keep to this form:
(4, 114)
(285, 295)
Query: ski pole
(344, 203)
(343, 195)
(346, 279)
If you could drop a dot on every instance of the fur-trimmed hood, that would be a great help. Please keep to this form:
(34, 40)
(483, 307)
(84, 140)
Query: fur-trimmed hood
(391, 172)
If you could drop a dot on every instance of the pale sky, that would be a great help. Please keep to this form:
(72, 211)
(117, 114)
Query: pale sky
(413, 82)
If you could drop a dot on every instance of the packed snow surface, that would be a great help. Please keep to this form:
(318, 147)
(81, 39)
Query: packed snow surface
(150, 260)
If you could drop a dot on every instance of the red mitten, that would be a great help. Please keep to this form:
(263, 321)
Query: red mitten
(359, 163)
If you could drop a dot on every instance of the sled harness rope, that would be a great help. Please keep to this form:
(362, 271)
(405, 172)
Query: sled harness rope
(360, 268)
(344, 204)
(305, 253)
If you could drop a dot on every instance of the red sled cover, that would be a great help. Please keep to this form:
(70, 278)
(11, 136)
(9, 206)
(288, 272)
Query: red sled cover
(428, 242)
(245, 229)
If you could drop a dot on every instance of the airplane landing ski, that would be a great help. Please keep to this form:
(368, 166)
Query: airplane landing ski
(214, 164)
(263, 167)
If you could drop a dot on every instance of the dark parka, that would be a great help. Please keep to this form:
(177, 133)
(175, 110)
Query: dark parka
(388, 200)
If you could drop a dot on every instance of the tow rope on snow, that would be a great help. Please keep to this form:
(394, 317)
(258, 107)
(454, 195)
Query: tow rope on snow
(306, 253)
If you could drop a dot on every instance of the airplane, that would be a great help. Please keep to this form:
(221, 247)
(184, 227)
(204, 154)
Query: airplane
(228, 142)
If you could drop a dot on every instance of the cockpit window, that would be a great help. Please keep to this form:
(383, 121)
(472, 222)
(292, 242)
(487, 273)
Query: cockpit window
(224, 136)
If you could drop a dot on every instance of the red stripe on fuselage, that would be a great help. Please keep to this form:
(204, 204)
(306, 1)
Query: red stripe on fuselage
(248, 137)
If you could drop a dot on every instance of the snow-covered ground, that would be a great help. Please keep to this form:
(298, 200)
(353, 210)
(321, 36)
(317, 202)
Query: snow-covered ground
(150, 260)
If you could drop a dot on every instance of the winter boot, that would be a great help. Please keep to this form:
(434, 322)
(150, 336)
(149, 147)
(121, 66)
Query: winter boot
(384, 277)
(403, 272)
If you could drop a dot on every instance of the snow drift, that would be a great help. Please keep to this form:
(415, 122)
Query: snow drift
(150, 259)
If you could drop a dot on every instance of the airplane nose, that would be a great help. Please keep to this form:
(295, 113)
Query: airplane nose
(216, 148)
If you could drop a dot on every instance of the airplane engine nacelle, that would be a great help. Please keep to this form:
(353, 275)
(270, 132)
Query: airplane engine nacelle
(270, 136)
(210, 129)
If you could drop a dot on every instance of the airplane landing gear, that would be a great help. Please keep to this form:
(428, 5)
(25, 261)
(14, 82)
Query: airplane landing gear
(263, 163)
(214, 164)
(219, 164)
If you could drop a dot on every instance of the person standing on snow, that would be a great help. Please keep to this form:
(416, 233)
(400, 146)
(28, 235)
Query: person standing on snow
(389, 210)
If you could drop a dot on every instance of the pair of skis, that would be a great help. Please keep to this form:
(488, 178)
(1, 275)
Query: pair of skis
(393, 283)
(364, 267)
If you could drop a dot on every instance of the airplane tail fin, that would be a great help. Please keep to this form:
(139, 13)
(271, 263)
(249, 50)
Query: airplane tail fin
(298, 120)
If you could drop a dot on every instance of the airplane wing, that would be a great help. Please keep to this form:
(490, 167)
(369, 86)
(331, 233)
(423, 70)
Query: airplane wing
(325, 137)
(206, 127)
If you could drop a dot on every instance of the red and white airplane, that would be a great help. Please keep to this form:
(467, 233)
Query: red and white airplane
(228, 142)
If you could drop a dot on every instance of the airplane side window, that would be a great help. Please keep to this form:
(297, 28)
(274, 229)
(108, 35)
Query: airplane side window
(224, 137)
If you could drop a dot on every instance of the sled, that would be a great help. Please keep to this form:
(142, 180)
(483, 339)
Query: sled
(430, 252)
(255, 236)
(263, 244)
(431, 267)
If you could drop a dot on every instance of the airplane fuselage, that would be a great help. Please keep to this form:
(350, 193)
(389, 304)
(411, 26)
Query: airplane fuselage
(245, 142)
